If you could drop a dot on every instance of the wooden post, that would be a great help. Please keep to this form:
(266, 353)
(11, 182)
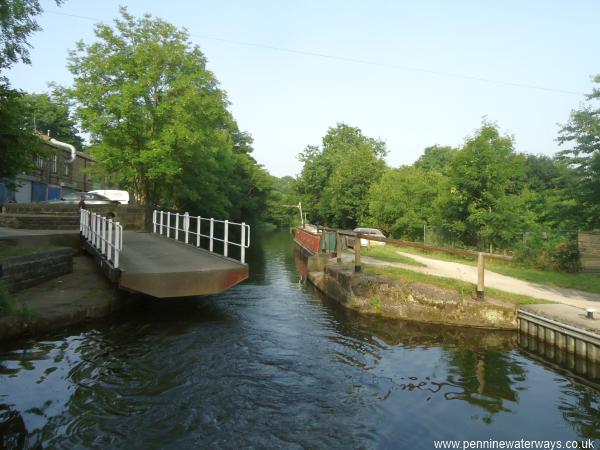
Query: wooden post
(357, 266)
(480, 272)
(338, 247)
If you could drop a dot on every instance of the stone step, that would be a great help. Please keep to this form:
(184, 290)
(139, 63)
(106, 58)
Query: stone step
(40, 221)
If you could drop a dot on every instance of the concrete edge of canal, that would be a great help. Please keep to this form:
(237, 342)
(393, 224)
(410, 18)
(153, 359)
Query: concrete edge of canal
(82, 296)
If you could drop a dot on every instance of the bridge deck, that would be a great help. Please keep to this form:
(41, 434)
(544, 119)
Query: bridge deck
(162, 267)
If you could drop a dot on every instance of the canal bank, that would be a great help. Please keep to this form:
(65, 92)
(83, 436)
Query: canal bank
(78, 297)
(373, 294)
(565, 333)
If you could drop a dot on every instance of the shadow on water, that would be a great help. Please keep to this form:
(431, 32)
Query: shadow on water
(272, 364)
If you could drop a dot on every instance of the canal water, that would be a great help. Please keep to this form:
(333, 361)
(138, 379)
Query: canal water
(270, 364)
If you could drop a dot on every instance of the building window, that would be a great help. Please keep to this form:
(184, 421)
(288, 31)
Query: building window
(53, 163)
(66, 169)
(39, 162)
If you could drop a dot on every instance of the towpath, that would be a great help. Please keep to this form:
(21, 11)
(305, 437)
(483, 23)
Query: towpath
(494, 280)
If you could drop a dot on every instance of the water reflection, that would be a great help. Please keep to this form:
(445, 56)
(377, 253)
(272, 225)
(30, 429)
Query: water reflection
(271, 365)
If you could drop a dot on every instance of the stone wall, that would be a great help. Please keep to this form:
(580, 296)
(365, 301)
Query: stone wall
(589, 250)
(20, 272)
(413, 301)
(44, 216)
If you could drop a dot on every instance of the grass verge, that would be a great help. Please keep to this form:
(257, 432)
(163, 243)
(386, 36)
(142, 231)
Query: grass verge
(463, 288)
(586, 282)
(7, 250)
(8, 306)
(387, 253)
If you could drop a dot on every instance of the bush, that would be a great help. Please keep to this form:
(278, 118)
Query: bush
(6, 304)
(558, 254)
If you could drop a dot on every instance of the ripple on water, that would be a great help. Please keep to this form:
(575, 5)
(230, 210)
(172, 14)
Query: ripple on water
(271, 365)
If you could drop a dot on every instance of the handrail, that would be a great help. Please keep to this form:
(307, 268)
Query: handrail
(162, 225)
(103, 234)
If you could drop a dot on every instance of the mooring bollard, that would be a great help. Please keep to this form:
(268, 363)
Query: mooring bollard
(480, 273)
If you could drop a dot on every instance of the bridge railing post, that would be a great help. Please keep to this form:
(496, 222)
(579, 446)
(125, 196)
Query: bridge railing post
(176, 226)
(103, 235)
(98, 232)
(110, 241)
(198, 228)
(154, 221)
(118, 241)
(212, 233)
(243, 242)
(168, 223)
(226, 238)
(186, 226)
(161, 222)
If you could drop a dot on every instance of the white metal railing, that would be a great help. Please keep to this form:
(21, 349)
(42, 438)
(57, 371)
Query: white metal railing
(174, 225)
(103, 234)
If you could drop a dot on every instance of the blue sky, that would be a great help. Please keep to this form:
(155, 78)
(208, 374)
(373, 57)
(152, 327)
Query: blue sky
(287, 100)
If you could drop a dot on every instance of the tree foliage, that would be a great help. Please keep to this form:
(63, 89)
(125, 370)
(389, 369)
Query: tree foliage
(404, 200)
(282, 202)
(47, 114)
(436, 157)
(159, 122)
(335, 179)
(483, 202)
(583, 133)
(18, 144)
(17, 23)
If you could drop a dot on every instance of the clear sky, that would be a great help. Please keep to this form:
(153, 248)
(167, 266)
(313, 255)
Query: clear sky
(288, 100)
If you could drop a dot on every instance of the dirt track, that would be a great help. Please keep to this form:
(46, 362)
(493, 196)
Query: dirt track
(495, 280)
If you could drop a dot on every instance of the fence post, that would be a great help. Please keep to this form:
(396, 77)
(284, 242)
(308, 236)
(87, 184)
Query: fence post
(212, 232)
(243, 242)
(357, 266)
(176, 226)
(168, 223)
(97, 231)
(109, 249)
(161, 222)
(480, 273)
(198, 226)
(92, 228)
(186, 225)
(225, 238)
(338, 247)
(118, 238)
(103, 235)
(154, 221)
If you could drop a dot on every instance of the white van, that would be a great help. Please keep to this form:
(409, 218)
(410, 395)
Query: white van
(115, 195)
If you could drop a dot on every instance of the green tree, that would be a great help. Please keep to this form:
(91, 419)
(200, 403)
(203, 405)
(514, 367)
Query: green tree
(583, 133)
(17, 23)
(159, 121)
(18, 144)
(282, 202)
(335, 180)
(403, 200)
(436, 157)
(549, 185)
(47, 114)
(483, 202)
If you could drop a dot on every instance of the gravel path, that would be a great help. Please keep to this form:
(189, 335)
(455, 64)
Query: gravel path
(494, 280)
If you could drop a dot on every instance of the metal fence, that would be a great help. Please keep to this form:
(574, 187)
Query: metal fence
(103, 234)
(193, 229)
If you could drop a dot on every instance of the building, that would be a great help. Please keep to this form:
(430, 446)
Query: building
(63, 171)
